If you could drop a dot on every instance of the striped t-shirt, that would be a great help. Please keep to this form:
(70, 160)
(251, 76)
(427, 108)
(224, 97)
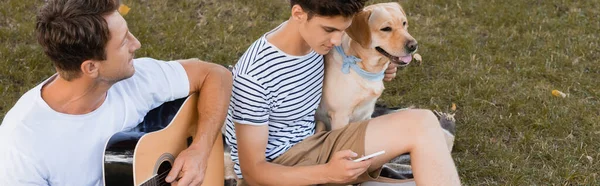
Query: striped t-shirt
(273, 88)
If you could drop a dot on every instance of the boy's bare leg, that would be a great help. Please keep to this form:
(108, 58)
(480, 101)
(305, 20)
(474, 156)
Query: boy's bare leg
(417, 132)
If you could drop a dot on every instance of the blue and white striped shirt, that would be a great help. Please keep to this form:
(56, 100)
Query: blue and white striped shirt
(273, 88)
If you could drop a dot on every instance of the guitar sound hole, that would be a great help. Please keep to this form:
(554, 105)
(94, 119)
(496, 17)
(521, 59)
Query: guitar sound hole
(163, 171)
(189, 141)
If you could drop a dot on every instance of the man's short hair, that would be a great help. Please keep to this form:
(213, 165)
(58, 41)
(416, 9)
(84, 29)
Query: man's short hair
(330, 8)
(72, 31)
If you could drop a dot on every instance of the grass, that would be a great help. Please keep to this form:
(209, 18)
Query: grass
(497, 60)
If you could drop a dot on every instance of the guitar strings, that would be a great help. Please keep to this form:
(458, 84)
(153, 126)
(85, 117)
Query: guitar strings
(162, 176)
(158, 179)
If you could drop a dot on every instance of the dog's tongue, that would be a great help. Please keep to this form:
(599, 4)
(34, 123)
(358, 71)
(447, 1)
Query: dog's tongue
(406, 59)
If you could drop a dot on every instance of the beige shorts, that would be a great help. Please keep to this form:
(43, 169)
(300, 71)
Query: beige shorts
(319, 148)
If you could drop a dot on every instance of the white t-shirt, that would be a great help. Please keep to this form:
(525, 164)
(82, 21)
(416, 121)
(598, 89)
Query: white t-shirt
(39, 146)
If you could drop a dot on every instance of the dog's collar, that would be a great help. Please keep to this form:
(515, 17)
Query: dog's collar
(350, 62)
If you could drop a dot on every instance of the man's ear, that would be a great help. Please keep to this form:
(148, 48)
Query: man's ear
(90, 68)
(359, 30)
(298, 13)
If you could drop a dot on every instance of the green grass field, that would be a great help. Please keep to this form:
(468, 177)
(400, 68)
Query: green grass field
(497, 60)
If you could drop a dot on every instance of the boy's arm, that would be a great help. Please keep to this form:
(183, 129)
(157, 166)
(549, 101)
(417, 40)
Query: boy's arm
(252, 142)
(213, 82)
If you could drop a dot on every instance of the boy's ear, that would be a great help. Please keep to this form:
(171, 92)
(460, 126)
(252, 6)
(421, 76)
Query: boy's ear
(359, 30)
(298, 13)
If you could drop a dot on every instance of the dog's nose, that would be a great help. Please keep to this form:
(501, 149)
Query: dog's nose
(411, 46)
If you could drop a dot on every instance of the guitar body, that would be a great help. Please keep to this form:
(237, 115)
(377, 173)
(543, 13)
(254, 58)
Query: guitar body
(144, 156)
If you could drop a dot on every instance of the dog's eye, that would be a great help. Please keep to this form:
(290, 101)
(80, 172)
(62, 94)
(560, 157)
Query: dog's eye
(404, 23)
(386, 29)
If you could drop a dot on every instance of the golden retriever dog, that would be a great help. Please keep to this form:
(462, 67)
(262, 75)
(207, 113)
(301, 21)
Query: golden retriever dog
(354, 70)
(354, 74)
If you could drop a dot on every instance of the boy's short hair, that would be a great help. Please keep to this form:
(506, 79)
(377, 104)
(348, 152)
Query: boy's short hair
(72, 31)
(330, 8)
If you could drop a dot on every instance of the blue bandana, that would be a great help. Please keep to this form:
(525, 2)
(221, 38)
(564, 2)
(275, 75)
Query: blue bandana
(349, 62)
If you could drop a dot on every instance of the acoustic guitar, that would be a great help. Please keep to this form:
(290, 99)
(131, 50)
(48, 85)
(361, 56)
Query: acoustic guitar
(144, 155)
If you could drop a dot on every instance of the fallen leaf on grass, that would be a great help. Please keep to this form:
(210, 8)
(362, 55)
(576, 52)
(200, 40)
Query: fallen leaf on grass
(558, 93)
(124, 9)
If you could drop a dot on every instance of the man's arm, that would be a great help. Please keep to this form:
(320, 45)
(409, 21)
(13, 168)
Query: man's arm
(252, 142)
(214, 83)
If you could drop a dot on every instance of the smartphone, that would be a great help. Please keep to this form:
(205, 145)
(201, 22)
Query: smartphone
(370, 156)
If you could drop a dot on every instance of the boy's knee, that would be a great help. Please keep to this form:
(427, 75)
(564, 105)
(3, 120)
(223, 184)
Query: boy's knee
(428, 118)
(428, 128)
(419, 118)
(423, 122)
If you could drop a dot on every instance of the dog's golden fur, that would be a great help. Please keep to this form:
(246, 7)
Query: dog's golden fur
(378, 35)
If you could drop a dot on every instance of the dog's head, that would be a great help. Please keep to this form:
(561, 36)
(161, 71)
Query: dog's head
(384, 27)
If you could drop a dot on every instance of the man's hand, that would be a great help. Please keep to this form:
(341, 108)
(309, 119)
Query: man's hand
(342, 169)
(189, 168)
(213, 84)
(390, 72)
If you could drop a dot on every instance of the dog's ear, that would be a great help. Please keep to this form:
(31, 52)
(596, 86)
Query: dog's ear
(359, 30)
(398, 6)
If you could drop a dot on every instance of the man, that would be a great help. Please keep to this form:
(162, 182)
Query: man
(276, 90)
(56, 132)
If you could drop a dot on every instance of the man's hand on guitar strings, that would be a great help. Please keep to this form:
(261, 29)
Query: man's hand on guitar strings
(189, 168)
